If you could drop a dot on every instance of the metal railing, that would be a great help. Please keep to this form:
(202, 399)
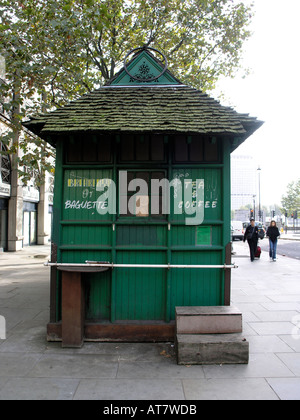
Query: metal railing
(113, 265)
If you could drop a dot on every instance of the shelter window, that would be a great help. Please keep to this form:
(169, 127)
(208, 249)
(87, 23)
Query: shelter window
(89, 150)
(195, 149)
(142, 148)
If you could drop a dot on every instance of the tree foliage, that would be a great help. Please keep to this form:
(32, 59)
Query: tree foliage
(57, 50)
(291, 201)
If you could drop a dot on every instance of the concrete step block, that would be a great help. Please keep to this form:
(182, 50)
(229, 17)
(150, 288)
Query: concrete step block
(208, 320)
(207, 349)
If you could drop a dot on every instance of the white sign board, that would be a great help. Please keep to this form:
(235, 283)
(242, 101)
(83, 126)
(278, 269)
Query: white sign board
(5, 190)
(31, 194)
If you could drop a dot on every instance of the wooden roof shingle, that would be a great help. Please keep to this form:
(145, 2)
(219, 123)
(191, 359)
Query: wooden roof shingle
(163, 106)
(164, 109)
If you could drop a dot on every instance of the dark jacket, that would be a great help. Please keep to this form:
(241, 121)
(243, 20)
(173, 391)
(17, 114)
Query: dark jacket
(251, 233)
(273, 233)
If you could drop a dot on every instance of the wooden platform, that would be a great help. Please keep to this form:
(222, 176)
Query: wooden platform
(101, 332)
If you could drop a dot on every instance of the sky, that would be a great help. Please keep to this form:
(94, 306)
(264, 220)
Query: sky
(272, 94)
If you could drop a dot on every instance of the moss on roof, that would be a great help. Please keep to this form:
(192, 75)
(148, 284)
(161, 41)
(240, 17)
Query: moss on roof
(164, 109)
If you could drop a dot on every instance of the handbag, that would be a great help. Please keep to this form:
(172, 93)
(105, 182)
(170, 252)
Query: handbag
(250, 234)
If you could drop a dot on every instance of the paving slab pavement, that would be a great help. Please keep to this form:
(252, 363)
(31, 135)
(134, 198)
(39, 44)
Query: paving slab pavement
(267, 293)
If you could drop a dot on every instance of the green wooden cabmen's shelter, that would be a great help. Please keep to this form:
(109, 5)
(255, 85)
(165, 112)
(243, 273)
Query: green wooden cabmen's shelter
(141, 204)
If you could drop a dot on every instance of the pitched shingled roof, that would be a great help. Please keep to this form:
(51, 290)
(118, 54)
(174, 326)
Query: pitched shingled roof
(170, 109)
(147, 108)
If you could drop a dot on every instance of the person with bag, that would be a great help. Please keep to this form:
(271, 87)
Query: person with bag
(251, 234)
(273, 234)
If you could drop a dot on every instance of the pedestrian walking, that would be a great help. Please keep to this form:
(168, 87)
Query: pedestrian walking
(251, 234)
(273, 234)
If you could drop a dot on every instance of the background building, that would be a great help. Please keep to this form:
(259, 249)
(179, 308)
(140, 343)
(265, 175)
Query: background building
(243, 182)
(25, 211)
(5, 190)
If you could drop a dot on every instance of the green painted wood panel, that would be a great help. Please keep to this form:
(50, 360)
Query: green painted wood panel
(129, 295)
(91, 235)
(192, 287)
(144, 235)
(140, 293)
(98, 296)
(212, 202)
(188, 236)
(80, 196)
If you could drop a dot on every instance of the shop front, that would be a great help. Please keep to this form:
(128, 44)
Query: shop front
(5, 191)
(30, 213)
(29, 223)
(3, 224)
